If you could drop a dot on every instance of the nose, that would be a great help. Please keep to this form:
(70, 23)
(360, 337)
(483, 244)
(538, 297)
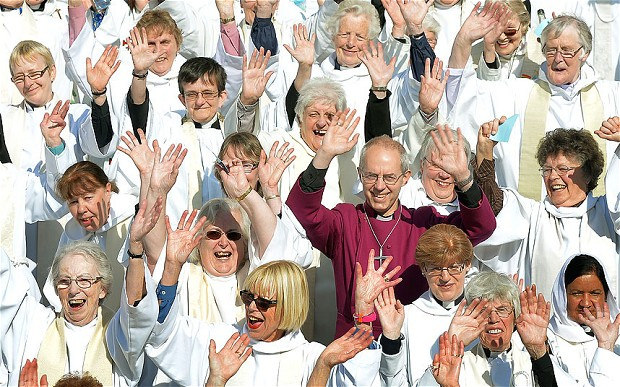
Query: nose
(444, 275)
(586, 301)
(351, 40)
(493, 316)
(81, 206)
(380, 184)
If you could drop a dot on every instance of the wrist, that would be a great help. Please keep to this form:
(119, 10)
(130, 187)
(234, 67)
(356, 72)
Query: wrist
(428, 110)
(322, 159)
(398, 31)
(53, 142)
(607, 346)
(140, 73)
(245, 194)
(247, 101)
(264, 12)
(536, 351)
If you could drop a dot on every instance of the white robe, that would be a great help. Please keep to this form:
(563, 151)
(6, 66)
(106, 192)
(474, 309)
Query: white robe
(542, 236)
(413, 195)
(450, 19)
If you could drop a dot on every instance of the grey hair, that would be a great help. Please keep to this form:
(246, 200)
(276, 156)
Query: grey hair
(88, 250)
(211, 210)
(386, 143)
(490, 285)
(355, 8)
(430, 23)
(558, 25)
(320, 89)
(428, 145)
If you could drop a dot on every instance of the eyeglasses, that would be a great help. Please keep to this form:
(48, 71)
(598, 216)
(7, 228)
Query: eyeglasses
(33, 75)
(566, 53)
(371, 178)
(560, 170)
(434, 271)
(502, 311)
(215, 235)
(346, 35)
(81, 282)
(207, 95)
(249, 166)
(510, 32)
(261, 303)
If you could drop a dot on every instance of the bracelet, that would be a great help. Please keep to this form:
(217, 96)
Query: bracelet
(378, 88)
(365, 319)
(245, 194)
(99, 93)
(227, 20)
(461, 184)
(139, 76)
(135, 256)
(272, 197)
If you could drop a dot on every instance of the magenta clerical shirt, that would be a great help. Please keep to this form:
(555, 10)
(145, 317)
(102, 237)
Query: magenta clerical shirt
(343, 235)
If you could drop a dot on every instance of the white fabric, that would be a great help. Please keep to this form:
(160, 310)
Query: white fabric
(450, 19)
(77, 341)
(413, 195)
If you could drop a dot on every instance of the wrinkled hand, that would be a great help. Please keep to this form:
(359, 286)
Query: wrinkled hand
(29, 375)
(235, 182)
(270, 169)
(339, 138)
(449, 153)
(469, 322)
(391, 313)
(432, 85)
(493, 35)
(414, 12)
(379, 71)
(517, 281)
(346, 347)
(143, 223)
(478, 24)
(304, 45)
(484, 149)
(142, 55)
(225, 363)
(53, 124)
(166, 169)
(610, 129)
(225, 8)
(398, 20)
(266, 8)
(254, 77)
(139, 152)
(604, 329)
(447, 362)
(533, 321)
(99, 76)
(182, 241)
(368, 286)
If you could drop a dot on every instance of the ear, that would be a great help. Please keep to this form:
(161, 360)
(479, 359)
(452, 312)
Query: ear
(583, 58)
(103, 293)
(222, 98)
(182, 99)
(406, 177)
(52, 71)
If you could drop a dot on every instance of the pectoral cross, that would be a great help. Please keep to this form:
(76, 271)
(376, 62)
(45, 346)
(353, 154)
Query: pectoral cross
(380, 258)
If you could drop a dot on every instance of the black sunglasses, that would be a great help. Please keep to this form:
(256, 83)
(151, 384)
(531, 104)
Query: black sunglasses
(261, 303)
(217, 234)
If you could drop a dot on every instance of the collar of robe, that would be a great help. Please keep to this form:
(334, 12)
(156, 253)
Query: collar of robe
(30, 108)
(571, 212)
(213, 123)
(448, 305)
(587, 76)
(338, 66)
(373, 214)
(288, 342)
(492, 354)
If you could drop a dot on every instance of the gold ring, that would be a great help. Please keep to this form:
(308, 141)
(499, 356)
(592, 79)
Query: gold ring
(386, 278)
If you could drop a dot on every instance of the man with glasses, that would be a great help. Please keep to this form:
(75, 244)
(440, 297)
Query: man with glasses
(566, 94)
(381, 226)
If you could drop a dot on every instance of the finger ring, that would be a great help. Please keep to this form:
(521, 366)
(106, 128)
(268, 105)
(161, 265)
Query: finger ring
(340, 123)
(386, 278)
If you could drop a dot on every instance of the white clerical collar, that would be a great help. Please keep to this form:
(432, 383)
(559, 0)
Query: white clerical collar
(207, 124)
(447, 305)
(31, 108)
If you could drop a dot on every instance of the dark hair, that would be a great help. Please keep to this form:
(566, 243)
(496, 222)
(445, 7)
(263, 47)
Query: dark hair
(200, 68)
(578, 144)
(584, 265)
(244, 144)
(82, 177)
(75, 380)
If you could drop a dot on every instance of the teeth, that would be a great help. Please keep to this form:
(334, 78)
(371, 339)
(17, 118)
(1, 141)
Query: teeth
(76, 302)
(222, 254)
(254, 319)
(558, 186)
(319, 132)
(443, 183)
(494, 331)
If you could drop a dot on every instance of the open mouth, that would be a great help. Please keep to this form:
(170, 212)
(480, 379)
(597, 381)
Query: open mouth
(557, 187)
(320, 132)
(494, 331)
(222, 255)
(444, 184)
(254, 322)
(76, 304)
(87, 221)
(163, 58)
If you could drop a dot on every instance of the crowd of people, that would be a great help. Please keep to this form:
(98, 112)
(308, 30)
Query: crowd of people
(309, 192)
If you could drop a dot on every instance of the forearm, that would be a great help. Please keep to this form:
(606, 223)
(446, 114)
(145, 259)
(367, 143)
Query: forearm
(489, 53)
(542, 368)
(377, 121)
(77, 19)
(102, 123)
(135, 284)
(484, 175)
(137, 89)
(320, 374)
(292, 96)
(262, 219)
(461, 50)
(154, 241)
(419, 52)
(304, 72)
(138, 113)
(172, 270)
(231, 40)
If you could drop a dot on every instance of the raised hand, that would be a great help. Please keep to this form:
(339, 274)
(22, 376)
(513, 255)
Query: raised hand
(235, 182)
(184, 239)
(610, 129)
(432, 85)
(29, 375)
(533, 321)
(338, 139)
(447, 362)
(346, 347)
(225, 363)
(266, 8)
(484, 149)
(368, 286)
(604, 329)
(166, 169)
(142, 55)
(449, 153)
(139, 152)
(99, 75)
(225, 8)
(518, 282)
(52, 124)
(478, 24)
(143, 223)
(270, 169)
(398, 20)
(372, 57)
(254, 77)
(469, 322)
(494, 33)
(304, 45)
(414, 12)
(391, 313)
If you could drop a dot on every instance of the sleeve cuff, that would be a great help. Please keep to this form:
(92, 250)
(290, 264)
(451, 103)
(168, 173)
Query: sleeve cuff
(470, 198)
(312, 179)
(165, 297)
(391, 347)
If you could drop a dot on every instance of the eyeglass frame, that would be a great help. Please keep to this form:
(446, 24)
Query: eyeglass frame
(503, 314)
(263, 304)
(207, 95)
(513, 32)
(460, 266)
(546, 171)
(249, 166)
(566, 54)
(90, 281)
(221, 233)
(33, 75)
(364, 177)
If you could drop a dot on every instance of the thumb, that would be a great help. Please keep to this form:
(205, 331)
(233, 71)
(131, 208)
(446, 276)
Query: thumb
(212, 350)
(88, 64)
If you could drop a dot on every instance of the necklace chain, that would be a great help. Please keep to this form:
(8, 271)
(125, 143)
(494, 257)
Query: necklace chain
(375, 235)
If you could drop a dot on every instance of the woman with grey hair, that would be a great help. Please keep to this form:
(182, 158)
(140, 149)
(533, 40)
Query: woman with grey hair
(67, 342)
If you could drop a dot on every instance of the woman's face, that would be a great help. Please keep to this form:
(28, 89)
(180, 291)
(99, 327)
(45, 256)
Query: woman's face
(263, 323)
(351, 38)
(431, 37)
(223, 249)
(582, 293)
(510, 39)
(79, 306)
(565, 181)
(167, 44)
(437, 183)
(249, 166)
(499, 327)
(91, 209)
(37, 91)
(446, 283)
(317, 117)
